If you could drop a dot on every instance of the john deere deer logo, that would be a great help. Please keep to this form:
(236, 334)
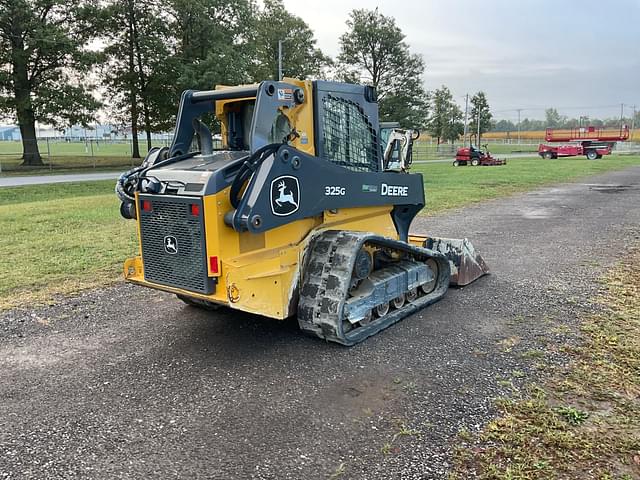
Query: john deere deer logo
(285, 195)
(170, 245)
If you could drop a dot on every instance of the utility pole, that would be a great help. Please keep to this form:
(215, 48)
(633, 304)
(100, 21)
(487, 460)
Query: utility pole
(466, 113)
(279, 60)
(518, 110)
(621, 112)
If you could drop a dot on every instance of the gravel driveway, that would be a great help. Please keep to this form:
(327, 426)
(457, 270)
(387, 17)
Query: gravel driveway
(130, 383)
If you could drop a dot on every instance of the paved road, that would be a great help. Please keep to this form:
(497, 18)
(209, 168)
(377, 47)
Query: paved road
(130, 383)
(45, 179)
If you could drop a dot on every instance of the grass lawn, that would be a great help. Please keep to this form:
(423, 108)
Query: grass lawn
(499, 148)
(104, 155)
(65, 157)
(447, 186)
(584, 421)
(59, 148)
(425, 150)
(11, 166)
(60, 237)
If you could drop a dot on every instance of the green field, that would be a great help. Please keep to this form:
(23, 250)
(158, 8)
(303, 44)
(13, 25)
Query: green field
(99, 148)
(58, 238)
(61, 237)
(427, 149)
(63, 157)
(11, 166)
(122, 148)
(450, 187)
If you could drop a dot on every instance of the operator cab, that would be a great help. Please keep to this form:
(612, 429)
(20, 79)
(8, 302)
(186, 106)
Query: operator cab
(239, 115)
(336, 122)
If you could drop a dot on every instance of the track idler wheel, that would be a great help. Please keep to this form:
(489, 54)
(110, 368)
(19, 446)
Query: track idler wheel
(398, 302)
(355, 284)
(429, 286)
(382, 310)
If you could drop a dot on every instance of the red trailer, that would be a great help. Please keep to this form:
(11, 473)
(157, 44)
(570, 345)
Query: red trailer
(592, 142)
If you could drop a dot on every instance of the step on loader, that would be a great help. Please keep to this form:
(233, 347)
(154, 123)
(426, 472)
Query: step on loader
(302, 213)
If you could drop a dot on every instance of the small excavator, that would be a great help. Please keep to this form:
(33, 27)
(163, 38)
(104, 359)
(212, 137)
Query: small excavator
(304, 212)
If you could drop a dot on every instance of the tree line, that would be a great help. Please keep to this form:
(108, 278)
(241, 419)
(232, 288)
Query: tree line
(141, 54)
(554, 120)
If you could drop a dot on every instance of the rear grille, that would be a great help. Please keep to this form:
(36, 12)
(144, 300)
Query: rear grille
(173, 243)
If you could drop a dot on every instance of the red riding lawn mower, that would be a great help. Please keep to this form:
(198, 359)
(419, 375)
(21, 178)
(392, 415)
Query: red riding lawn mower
(474, 157)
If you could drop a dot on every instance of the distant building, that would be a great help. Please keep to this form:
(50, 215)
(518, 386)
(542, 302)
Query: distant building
(95, 131)
(9, 132)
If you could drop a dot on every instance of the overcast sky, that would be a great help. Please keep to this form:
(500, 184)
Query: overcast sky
(582, 57)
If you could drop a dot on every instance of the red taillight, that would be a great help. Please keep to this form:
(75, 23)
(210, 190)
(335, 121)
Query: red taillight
(146, 206)
(195, 209)
(213, 264)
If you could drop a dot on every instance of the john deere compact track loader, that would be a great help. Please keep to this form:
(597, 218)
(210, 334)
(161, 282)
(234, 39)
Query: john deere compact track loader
(302, 213)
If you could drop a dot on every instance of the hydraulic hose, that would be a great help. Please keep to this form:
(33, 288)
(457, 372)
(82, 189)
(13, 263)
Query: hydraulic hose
(129, 182)
(247, 169)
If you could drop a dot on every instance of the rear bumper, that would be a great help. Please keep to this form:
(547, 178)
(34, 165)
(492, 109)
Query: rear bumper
(134, 273)
(261, 288)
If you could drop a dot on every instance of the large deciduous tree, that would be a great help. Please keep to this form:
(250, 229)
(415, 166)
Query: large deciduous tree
(43, 54)
(212, 42)
(300, 57)
(553, 118)
(373, 51)
(480, 113)
(445, 117)
(157, 51)
(138, 71)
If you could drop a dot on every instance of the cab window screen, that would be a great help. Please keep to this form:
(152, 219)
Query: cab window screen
(349, 139)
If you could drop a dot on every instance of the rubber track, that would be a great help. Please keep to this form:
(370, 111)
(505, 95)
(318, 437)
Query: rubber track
(327, 280)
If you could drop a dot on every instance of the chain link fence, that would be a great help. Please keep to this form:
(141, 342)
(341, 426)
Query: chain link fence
(111, 154)
(63, 154)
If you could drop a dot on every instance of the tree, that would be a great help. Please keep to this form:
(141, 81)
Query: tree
(529, 124)
(155, 51)
(136, 70)
(504, 126)
(445, 117)
(455, 127)
(300, 57)
(373, 52)
(553, 118)
(213, 42)
(480, 113)
(43, 65)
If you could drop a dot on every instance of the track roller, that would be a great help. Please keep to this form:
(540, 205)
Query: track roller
(340, 304)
